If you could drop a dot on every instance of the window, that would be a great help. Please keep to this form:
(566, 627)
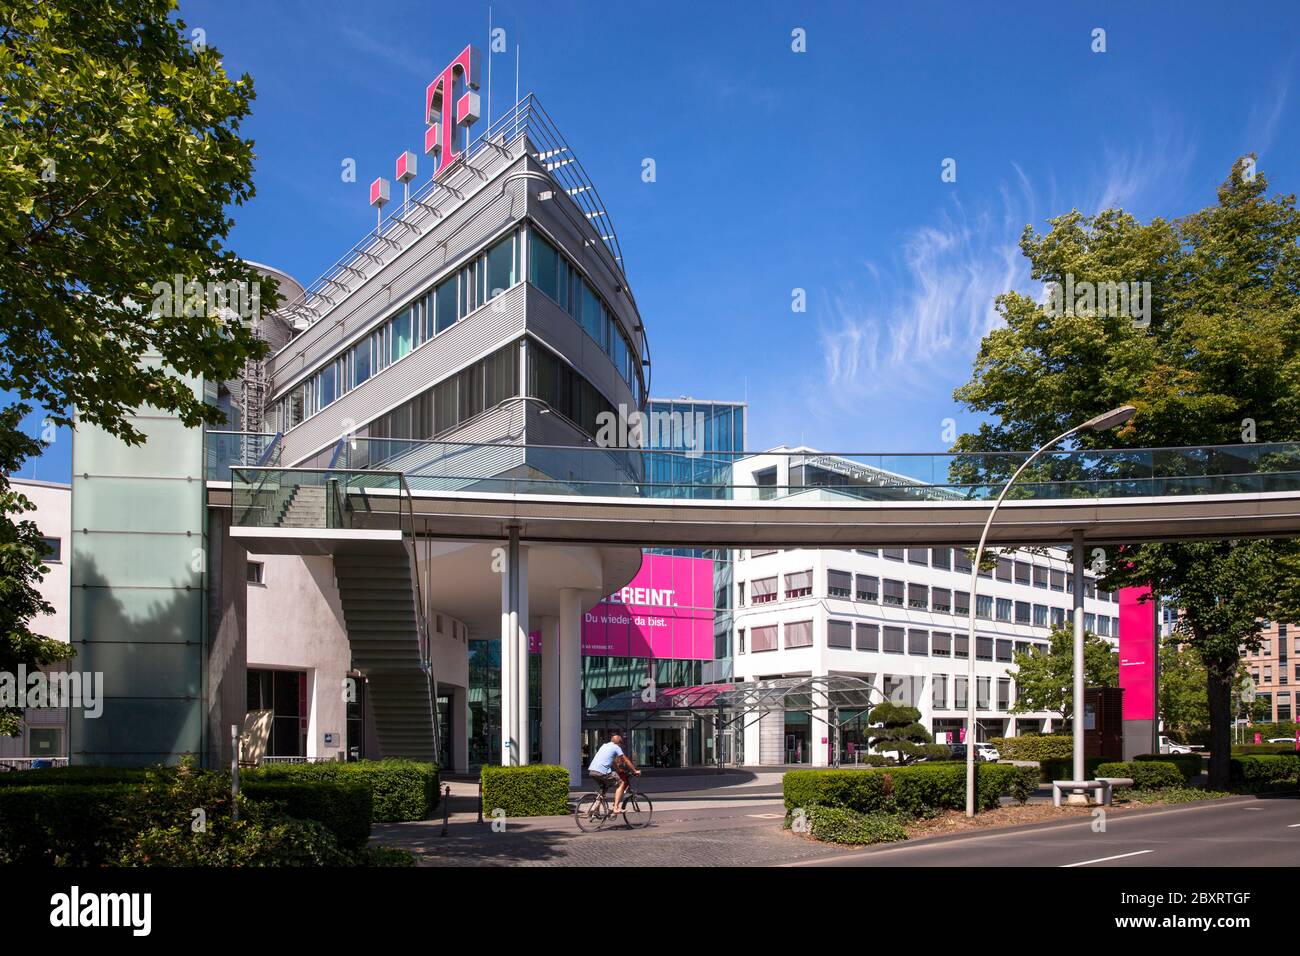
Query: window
(1004, 609)
(959, 693)
(1004, 693)
(51, 549)
(1004, 650)
(961, 560)
(839, 634)
(445, 304)
(984, 606)
(799, 634)
(941, 558)
(762, 638)
(868, 588)
(983, 685)
(1023, 569)
(1040, 576)
(798, 584)
(501, 266)
(839, 584)
(764, 592)
(893, 592)
(740, 594)
(1040, 615)
(740, 640)
(1023, 612)
(873, 552)
(1284, 706)
(361, 361)
(893, 640)
(918, 597)
(939, 698)
(255, 572)
(918, 642)
(1090, 623)
(918, 556)
(984, 648)
(961, 646)
(961, 603)
(1058, 580)
(1005, 569)
(1058, 616)
(1103, 626)
(941, 644)
(868, 637)
(941, 599)
(893, 554)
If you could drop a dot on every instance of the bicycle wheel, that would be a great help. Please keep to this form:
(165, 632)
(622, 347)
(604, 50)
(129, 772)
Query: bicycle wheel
(591, 813)
(637, 809)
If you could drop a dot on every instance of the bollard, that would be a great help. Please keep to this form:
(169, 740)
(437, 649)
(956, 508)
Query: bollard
(446, 801)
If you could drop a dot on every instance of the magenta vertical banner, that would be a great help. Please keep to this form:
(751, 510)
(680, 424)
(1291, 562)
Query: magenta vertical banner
(1137, 653)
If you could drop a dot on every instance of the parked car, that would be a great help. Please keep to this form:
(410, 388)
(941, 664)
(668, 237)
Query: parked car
(1168, 746)
(1281, 740)
(984, 752)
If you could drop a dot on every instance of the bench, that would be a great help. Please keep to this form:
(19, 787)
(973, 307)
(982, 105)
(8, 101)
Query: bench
(1103, 785)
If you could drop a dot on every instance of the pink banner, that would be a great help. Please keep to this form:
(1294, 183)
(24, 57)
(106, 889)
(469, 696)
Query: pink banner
(666, 612)
(1137, 654)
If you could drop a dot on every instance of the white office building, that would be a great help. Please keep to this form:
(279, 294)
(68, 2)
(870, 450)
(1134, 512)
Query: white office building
(896, 618)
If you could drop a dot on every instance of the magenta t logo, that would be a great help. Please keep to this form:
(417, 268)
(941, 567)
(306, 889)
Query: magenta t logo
(445, 114)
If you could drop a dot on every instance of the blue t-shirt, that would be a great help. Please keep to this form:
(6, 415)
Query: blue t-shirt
(603, 762)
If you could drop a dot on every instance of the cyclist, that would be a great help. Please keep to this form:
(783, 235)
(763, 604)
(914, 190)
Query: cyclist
(608, 762)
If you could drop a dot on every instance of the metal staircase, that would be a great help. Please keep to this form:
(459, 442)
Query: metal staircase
(380, 594)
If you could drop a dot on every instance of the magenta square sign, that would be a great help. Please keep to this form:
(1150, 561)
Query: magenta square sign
(666, 611)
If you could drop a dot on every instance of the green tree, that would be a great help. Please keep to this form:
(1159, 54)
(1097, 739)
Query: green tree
(1045, 681)
(1214, 362)
(897, 728)
(1183, 704)
(119, 132)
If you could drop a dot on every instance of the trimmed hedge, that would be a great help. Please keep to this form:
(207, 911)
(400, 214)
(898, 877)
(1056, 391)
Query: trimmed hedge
(402, 789)
(72, 776)
(1245, 750)
(922, 790)
(1036, 748)
(1263, 772)
(343, 807)
(535, 790)
(841, 825)
(72, 824)
(1189, 765)
(1146, 775)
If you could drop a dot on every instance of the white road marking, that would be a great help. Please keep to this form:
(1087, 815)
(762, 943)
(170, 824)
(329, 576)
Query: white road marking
(1103, 859)
(1292, 826)
(1252, 808)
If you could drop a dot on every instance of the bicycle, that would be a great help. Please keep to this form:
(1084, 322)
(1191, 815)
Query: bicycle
(593, 810)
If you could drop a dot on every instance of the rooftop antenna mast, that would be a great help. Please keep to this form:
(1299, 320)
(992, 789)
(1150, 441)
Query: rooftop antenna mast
(488, 126)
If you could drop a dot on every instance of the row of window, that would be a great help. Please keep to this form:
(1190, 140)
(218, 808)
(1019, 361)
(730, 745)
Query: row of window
(871, 589)
(1009, 570)
(983, 687)
(552, 273)
(886, 639)
(1282, 677)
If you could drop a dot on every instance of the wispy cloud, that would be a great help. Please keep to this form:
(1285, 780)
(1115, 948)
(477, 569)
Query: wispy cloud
(1266, 113)
(389, 52)
(910, 327)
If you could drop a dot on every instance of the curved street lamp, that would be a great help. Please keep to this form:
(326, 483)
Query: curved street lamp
(1103, 422)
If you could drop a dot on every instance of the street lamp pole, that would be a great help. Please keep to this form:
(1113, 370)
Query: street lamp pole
(1116, 416)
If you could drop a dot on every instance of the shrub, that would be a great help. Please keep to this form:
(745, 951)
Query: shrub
(1248, 749)
(1146, 775)
(916, 791)
(1062, 768)
(343, 807)
(535, 790)
(1190, 765)
(401, 789)
(841, 825)
(73, 776)
(1024, 783)
(62, 825)
(1037, 748)
(1262, 772)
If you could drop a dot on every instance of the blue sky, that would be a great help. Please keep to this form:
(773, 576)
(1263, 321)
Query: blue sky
(779, 170)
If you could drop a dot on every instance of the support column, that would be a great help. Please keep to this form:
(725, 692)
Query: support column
(514, 654)
(819, 729)
(459, 730)
(550, 627)
(1077, 710)
(569, 683)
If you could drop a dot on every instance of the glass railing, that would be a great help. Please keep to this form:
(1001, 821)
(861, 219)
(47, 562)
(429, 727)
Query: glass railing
(225, 450)
(360, 467)
(263, 497)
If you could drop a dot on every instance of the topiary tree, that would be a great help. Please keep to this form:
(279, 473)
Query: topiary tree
(897, 728)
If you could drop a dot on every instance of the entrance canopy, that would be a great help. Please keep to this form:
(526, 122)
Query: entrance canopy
(841, 692)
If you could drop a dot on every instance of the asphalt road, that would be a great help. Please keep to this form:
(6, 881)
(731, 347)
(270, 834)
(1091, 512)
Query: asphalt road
(1241, 832)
